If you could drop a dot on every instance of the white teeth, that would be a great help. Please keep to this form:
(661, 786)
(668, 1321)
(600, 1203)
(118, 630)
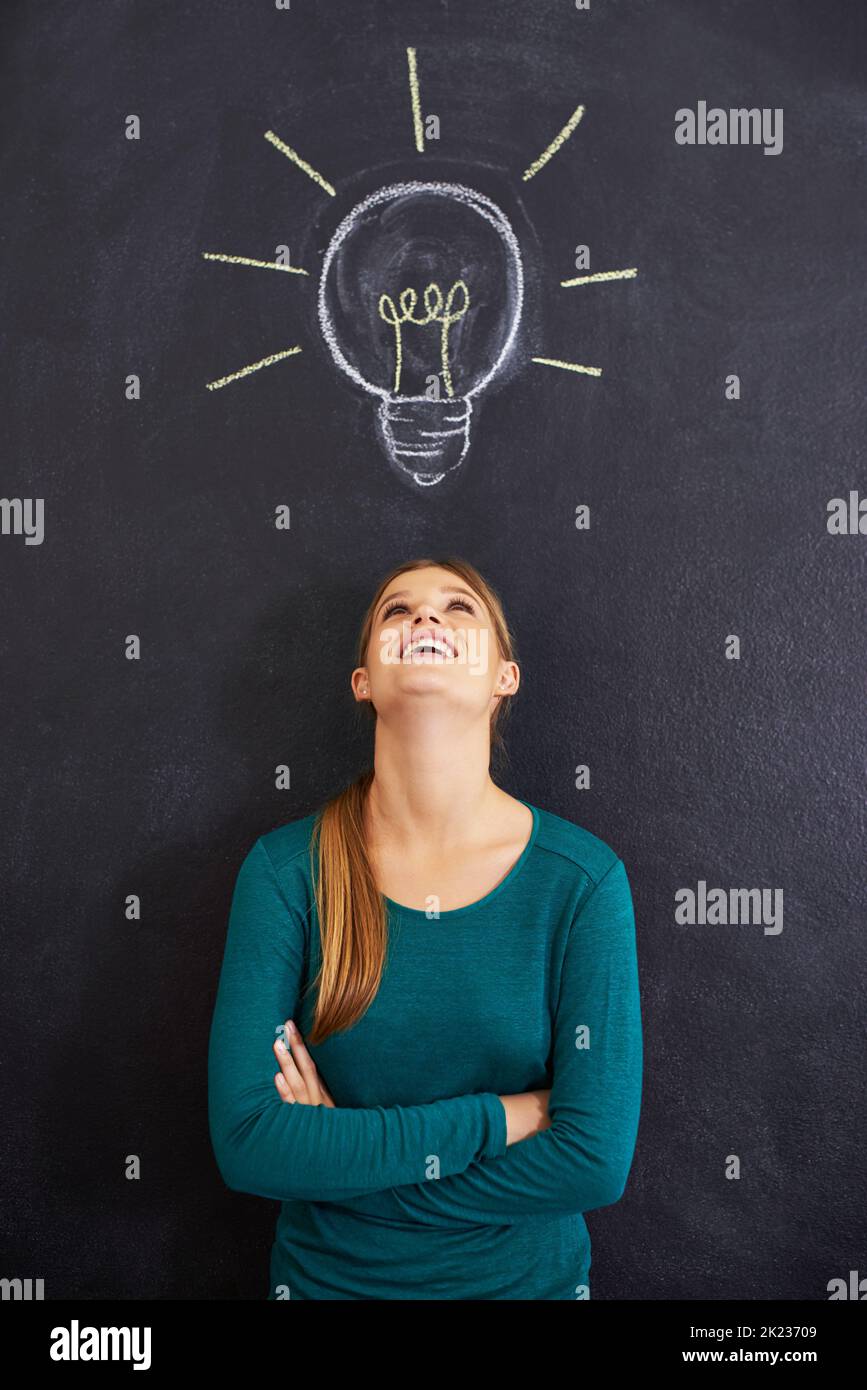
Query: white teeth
(427, 644)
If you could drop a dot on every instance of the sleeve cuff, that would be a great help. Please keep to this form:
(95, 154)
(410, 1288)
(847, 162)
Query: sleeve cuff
(495, 1139)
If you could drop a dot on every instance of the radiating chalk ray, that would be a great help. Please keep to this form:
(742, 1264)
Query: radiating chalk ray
(302, 163)
(601, 275)
(416, 100)
(568, 366)
(247, 260)
(555, 144)
(253, 367)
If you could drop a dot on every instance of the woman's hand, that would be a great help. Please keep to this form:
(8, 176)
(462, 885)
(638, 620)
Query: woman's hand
(298, 1081)
(526, 1114)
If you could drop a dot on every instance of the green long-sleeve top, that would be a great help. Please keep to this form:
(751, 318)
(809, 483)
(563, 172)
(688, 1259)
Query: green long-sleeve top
(406, 1189)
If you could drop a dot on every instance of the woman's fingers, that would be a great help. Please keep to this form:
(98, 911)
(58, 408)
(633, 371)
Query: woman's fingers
(283, 1089)
(289, 1081)
(304, 1063)
(327, 1098)
(298, 1080)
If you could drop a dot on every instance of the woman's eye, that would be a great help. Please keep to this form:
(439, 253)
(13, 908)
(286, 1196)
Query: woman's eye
(459, 602)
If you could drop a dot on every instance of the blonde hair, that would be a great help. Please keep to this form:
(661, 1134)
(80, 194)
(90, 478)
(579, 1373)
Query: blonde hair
(353, 919)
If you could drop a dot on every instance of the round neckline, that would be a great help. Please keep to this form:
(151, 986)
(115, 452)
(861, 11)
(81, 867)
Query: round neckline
(419, 914)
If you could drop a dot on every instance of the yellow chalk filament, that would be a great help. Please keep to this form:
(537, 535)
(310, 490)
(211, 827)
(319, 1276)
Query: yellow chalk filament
(416, 101)
(447, 320)
(246, 260)
(253, 367)
(555, 144)
(433, 303)
(601, 275)
(302, 163)
(568, 366)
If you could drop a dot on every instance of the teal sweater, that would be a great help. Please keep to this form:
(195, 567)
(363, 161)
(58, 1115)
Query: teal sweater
(406, 1189)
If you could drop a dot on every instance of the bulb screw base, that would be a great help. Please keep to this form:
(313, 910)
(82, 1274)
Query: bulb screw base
(423, 438)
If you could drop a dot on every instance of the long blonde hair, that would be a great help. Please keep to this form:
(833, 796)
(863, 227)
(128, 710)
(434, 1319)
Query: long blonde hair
(353, 919)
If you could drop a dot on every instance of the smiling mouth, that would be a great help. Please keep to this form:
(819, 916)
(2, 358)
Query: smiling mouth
(429, 646)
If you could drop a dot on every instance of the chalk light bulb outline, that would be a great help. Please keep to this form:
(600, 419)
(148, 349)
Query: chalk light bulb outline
(425, 454)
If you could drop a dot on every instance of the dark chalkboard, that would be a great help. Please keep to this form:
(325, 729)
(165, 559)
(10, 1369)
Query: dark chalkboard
(657, 511)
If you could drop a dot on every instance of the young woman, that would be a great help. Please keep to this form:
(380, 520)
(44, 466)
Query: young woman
(445, 977)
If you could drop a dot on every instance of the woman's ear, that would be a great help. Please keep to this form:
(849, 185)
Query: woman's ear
(508, 680)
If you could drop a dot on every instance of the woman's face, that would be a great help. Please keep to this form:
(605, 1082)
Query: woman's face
(432, 640)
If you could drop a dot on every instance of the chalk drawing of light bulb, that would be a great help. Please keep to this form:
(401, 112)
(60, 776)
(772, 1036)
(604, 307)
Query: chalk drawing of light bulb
(420, 299)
